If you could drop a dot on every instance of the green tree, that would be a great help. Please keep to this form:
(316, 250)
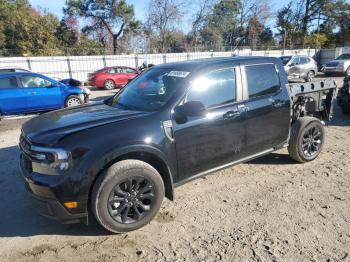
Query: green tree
(111, 16)
(26, 31)
(222, 25)
(315, 40)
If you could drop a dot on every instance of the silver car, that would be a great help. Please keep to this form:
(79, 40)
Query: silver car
(299, 67)
(341, 65)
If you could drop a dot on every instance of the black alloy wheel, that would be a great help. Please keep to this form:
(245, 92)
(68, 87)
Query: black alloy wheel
(127, 195)
(312, 141)
(131, 199)
(306, 139)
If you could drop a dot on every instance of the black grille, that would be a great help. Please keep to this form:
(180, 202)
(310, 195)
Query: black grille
(24, 146)
(26, 163)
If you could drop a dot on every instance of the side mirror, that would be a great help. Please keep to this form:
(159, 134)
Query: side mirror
(53, 85)
(189, 109)
(292, 64)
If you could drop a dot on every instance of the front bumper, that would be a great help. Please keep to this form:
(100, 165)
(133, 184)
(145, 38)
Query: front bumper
(43, 190)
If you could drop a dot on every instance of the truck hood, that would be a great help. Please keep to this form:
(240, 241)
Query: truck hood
(49, 128)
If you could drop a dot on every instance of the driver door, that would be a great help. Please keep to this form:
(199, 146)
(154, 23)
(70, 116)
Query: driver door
(206, 143)
(42, 94)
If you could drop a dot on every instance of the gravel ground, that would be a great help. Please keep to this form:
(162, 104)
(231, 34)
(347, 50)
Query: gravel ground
(270, 209)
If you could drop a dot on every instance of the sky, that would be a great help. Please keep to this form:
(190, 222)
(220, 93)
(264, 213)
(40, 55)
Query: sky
(141, 6)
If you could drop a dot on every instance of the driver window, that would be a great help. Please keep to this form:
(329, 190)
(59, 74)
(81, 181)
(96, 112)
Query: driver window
(295, 61)
(214, 89)
(34, 81)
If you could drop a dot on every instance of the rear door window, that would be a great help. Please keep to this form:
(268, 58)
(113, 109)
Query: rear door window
(8, 82)
(115, 70)
(262, 80)
(129, 70)
(303, 61)
(214, 89)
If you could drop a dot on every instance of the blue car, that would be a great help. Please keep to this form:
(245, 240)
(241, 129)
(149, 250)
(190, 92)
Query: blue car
(26, 92)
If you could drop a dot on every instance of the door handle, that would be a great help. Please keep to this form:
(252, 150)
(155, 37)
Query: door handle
(231, 114)
(32, 93)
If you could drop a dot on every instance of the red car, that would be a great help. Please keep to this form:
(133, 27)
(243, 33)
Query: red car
(112, 77)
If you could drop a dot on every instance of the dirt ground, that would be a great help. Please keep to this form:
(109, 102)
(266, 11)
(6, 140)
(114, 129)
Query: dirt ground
(270, 209)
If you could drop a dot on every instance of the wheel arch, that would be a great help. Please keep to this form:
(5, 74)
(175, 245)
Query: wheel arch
(148, 155)
(68, 95)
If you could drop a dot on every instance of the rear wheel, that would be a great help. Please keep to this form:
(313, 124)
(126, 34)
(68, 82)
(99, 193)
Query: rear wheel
(310, 76)
(109, 84)
(306, 140)
(73, 100)
(127, 196)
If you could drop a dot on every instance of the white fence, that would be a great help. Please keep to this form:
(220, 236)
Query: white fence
(79, 66)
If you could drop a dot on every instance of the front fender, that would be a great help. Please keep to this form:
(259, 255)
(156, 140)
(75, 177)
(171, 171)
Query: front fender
(111, 157)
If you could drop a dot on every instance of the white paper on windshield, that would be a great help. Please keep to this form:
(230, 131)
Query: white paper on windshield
(181, 74)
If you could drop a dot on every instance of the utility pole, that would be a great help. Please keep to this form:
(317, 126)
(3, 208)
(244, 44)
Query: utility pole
(284, 40)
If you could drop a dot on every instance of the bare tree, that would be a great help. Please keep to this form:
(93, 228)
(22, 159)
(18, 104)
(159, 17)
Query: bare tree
(164, 16)
(204, 10)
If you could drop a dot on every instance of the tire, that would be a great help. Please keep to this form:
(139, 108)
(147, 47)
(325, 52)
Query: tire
(73, 100)
(109, 84)
(347, 72)
(310, 76)
(306, 132)
(110, 200)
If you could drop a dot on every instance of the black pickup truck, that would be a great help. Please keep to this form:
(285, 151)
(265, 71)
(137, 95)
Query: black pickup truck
(117, 159)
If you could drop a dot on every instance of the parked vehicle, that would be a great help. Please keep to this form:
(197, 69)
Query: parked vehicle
(145, 65)
(22, 93)
(300, 67)
(343, 97)
(341, 65)
(112, 77)
(12, 70)
(174, 123)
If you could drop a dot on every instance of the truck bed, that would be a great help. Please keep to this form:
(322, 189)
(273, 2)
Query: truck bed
(312, 99)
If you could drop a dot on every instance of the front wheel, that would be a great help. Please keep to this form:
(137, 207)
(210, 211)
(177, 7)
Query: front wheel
(73, 100)
(306, 139)
(127, 196)
(310, 76)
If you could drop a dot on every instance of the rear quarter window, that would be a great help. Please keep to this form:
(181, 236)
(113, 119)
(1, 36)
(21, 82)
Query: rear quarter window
(262, 80)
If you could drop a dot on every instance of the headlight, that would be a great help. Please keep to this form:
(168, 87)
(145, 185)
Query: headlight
(86, 90)
(50, 161)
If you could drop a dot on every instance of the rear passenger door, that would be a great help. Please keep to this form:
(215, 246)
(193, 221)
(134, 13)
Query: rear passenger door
(13, 98)
(267, 108)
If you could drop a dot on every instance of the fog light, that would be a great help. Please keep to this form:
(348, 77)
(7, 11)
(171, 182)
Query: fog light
(71, 205)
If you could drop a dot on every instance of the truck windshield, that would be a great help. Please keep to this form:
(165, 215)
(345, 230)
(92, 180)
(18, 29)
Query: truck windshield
(151, 90)
(343, 57)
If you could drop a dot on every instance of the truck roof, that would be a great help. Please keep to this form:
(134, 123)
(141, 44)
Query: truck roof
(198, 64)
